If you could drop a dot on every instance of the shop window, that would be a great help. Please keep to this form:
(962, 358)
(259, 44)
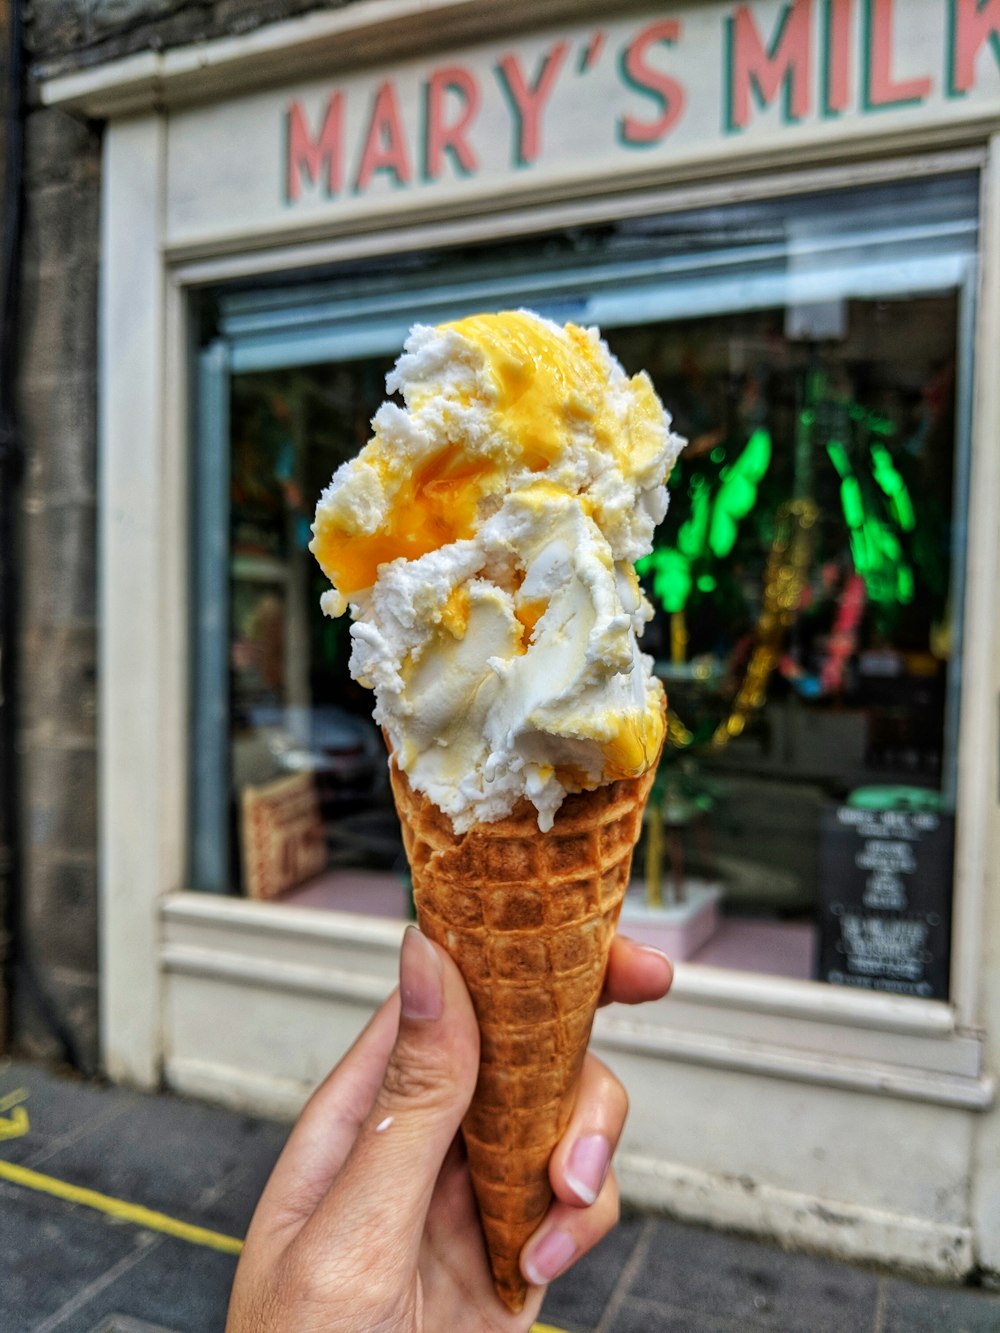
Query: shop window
(807, 582)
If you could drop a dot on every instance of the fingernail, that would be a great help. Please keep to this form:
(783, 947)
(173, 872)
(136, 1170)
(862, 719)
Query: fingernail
(421, 989)
(657, 953)
(588, 1164)
(548, 1258)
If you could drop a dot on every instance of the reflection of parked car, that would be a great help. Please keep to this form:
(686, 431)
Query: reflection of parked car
(342, 751)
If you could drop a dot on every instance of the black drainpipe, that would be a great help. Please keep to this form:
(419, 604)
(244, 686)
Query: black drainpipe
(11, 459)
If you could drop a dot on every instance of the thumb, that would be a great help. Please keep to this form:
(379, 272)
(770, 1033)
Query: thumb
(385, 1187)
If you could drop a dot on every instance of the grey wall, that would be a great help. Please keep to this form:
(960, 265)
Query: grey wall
(55, 1001)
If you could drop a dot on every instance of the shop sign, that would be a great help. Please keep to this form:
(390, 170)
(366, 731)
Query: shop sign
(885, 900)
(282, 835)
(684, 84)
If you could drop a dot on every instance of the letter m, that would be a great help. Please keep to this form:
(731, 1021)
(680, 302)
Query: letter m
(752, 68)
(320, 160)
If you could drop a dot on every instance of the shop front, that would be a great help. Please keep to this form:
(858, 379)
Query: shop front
(788, 214)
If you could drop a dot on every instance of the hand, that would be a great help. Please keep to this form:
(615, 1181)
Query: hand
(369, 1221)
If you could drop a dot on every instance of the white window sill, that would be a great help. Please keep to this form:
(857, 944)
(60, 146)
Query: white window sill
(756, 1025)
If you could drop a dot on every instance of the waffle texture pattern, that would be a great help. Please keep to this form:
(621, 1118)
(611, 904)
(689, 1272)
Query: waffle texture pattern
(529, 918)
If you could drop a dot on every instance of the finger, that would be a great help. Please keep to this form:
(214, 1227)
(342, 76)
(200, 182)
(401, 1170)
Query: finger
(327, 1127)
(636, 973)
(581, 1159)
(380, 1198)
(568, 1233)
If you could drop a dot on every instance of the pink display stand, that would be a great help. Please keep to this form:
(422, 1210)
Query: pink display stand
(679, 929)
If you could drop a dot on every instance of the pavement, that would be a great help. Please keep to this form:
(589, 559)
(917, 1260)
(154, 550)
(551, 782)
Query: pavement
(121, 1212)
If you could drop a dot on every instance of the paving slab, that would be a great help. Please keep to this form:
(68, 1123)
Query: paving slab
(911, 1307)
(700, 1272)
(50, 1253)
(178, 1156)
(61, 1108)
(179, 1287)
(121, 1323)
(577, 1303)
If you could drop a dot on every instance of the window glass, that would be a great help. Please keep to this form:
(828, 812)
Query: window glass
(295, 710)
(806, 583)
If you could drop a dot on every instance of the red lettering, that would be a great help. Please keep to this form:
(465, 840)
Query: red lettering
(385, 144)
(881, 89)
(837, 88)
(313, 158)
(441, 138)
(974, 22)
(528, 100)
(787, 63)
(666, 92)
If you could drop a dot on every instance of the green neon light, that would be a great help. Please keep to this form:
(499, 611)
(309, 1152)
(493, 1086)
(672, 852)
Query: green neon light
(671, 572)
(693, 534)
(902, 508)
(893, 486)
(852, 503)
(738, 492)
(712, 525)
(838, 457)
(722, 537)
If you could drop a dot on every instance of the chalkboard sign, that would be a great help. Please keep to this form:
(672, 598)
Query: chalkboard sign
(885, 900)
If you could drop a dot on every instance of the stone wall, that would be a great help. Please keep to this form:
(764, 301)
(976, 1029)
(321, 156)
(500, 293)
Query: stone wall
(56, 994)
(55, 1000)
(7, 574)
(64, 35)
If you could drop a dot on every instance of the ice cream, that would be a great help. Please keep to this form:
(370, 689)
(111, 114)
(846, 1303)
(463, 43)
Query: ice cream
(485, 540)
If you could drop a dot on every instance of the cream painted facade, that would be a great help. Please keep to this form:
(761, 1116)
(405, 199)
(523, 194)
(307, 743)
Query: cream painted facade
(862, 1124)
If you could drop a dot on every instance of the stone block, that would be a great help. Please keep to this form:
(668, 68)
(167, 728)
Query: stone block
(57, 418)
(59, 147)
(58, 314)
(60, 912)
(111, 16)
(59, 558)
(232, 16)
(52, 27)
(61, 225)
(59, 796)
(57, 998)
(58, 696)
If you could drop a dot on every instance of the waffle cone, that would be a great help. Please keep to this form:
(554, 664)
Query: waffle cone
(529, 918)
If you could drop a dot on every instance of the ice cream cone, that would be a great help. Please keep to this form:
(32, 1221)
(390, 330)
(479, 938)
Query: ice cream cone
(529, 918)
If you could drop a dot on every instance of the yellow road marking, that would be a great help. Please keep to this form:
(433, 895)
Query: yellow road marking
(16, 1125)
(12, 1099)
(119, 1208)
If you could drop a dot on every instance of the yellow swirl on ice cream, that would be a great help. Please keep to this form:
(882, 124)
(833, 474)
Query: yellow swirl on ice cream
(484, 540)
